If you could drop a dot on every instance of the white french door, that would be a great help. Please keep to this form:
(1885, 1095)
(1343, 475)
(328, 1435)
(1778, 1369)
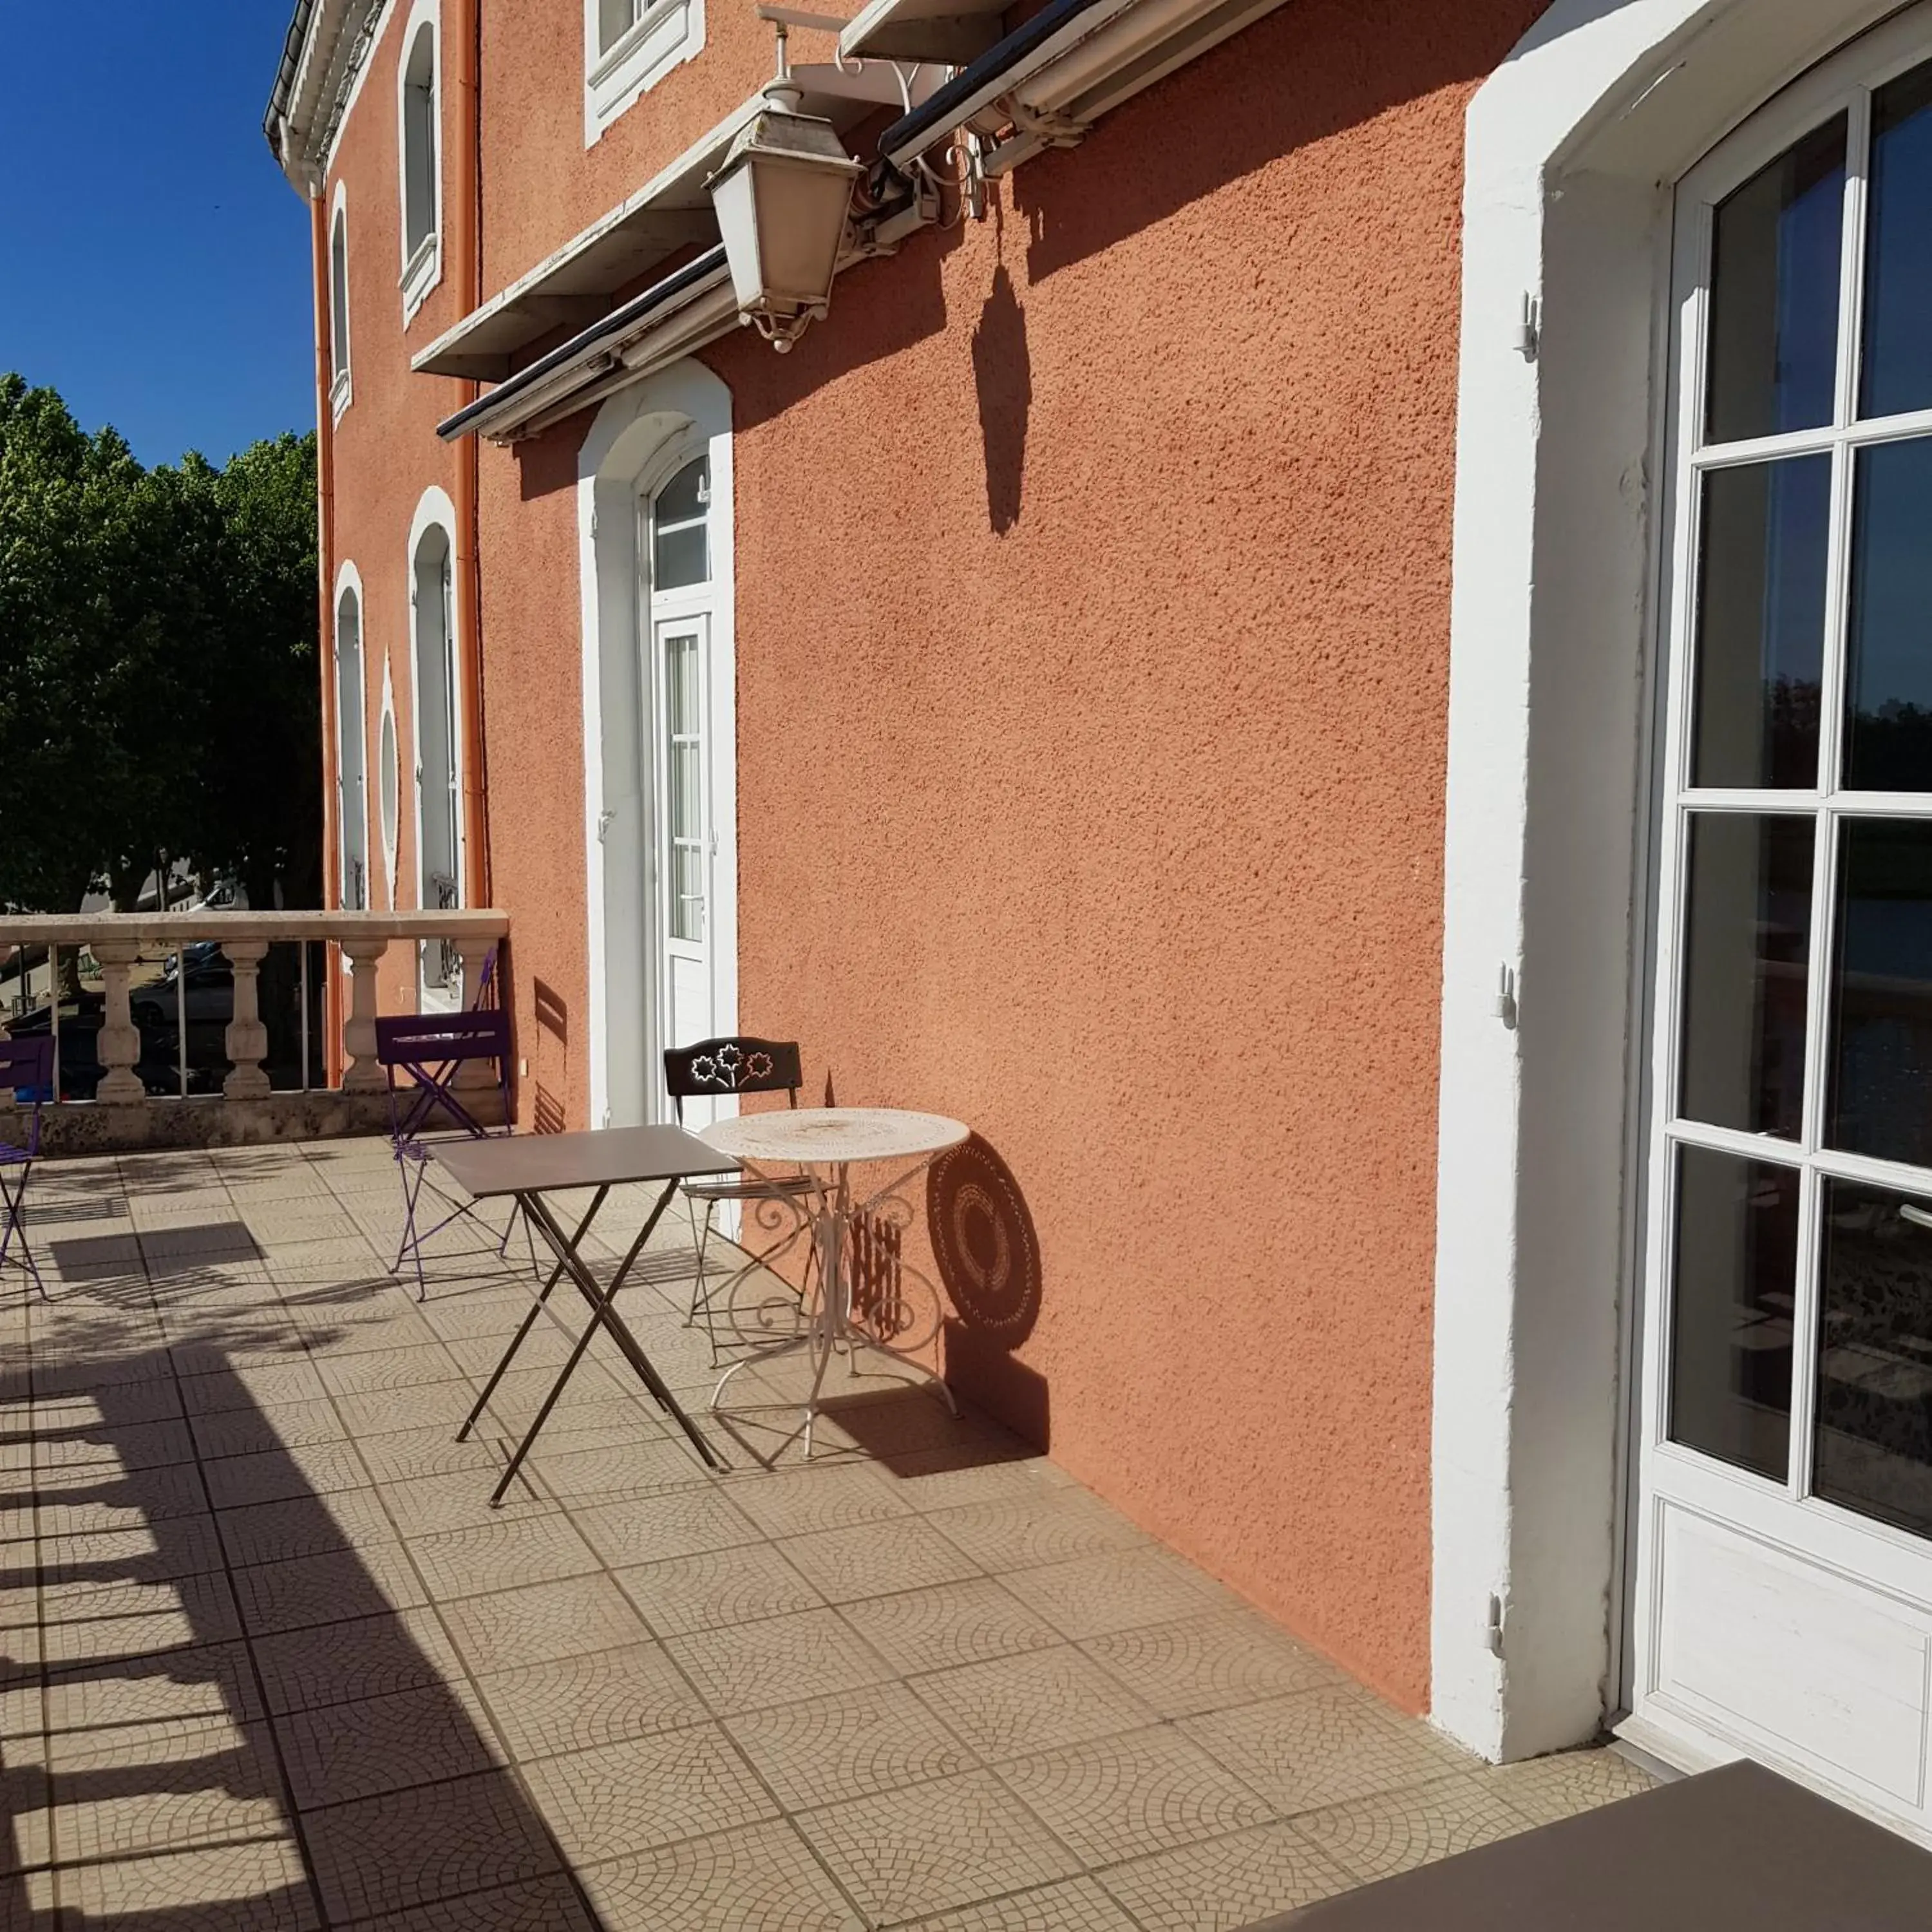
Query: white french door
(1782, 1531)
(686, 825)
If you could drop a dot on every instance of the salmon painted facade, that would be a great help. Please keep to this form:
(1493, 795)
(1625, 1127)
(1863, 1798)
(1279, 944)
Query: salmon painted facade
(1292, 647)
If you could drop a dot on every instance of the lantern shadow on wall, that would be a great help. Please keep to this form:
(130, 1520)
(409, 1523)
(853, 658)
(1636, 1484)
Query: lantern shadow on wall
(987, 1252)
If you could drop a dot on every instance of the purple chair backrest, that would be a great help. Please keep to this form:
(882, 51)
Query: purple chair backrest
(27, 1067)
(429, 1048)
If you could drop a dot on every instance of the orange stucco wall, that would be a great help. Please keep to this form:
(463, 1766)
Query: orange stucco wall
(1093, 569)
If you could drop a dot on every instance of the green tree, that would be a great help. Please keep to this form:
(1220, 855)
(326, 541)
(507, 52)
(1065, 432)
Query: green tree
(158, 666)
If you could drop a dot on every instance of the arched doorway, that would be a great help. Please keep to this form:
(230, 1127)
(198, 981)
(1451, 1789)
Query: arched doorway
(661, 773)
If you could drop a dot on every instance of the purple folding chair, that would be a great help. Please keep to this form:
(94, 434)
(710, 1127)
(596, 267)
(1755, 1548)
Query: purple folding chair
(27, 1066)
(420, 1056)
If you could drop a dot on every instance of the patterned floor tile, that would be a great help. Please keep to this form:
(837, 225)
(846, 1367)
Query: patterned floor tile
(426, 1505)
(874, 1738)
(678, 1522)
(94, 1622)
(648, 1467)
(341, 1663)
(383, 1744)
(137, 1789)
(1015, 1533)
(1117, 1590)
(1123, 1796)
(326, 1589)
(140, 1445)
(504, 1554)
(179, 1686)
(1321, 1748)
(1078, 1906)
(924, 1849)
(1546, 1790)
(380, 1371)
(548, 1905)
(424, 1405)
(543, 1622)
(878, 1559)
(435, 1841)
(775, 1662)
(314, 1526)
(404, 1456)
(1377, 1837)
(255, 1432)
(955, 1623)
(175, 1546)
(245, 1385)
(742, 1584)
(1225, 1883)
(258, 1886)
(627, 1798)
(1208, 1662)
(797, 1502)
(760, 1878)
(292, 1473)
(579, 1703)
(1031, 1702)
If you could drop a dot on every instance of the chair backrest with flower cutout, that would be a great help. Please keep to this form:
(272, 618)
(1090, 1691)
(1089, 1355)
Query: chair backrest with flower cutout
(739, 1065)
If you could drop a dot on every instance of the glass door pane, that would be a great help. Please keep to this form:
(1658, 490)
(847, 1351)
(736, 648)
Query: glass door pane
(1874, 1442)
(1747, 938)
(1774, 346)
(1888, 702)
(1898, 265)
(1881, 992)
(1732, 1316)
(684, 780)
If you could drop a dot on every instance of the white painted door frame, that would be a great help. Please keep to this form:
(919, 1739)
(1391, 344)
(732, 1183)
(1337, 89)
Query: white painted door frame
(1570, 146)
(637, 442)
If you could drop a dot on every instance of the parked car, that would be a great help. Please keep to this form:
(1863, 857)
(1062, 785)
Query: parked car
(198, 977)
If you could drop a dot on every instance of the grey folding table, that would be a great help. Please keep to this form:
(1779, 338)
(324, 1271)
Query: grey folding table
(528, 1167)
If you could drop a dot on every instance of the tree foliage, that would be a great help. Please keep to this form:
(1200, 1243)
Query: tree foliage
(158, 679)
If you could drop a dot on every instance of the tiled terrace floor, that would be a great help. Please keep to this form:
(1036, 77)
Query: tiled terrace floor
(270, 1660)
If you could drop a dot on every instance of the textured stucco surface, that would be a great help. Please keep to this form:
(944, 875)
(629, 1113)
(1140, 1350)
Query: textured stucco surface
(1092, 571)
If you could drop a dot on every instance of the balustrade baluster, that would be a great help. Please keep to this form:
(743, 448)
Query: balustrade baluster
(247, 1039)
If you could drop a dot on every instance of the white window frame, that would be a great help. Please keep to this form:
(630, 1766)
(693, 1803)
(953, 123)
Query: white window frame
(335, 307)
(349, 586)
(435, 512)
(389, 782)
(665, 34)
(421, 271)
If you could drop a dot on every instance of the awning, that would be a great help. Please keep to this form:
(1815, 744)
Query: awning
(694, 304)
(670, 214)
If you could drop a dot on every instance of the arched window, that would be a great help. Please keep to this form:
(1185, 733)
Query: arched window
(338, 306)
(351, 786)
(388, 784)
(421, 169)
(438, 799)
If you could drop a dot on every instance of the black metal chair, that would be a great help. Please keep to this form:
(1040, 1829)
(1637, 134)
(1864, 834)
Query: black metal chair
(710, 1070)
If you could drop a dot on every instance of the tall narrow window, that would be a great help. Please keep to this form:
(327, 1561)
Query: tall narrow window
(439, 796)
(352, 798)
(338, 309)
(421, 172)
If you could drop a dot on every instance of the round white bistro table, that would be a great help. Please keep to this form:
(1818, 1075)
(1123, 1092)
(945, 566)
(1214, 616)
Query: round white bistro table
(858, 1301)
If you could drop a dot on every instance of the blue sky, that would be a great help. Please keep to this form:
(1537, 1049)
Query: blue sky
(154, 261)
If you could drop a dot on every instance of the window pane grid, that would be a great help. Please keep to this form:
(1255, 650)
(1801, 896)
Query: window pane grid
(1854, 1353)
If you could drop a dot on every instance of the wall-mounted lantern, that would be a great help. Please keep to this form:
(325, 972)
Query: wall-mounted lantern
(781, 197)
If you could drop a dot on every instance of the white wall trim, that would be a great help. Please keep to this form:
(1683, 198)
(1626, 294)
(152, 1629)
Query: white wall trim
(680, 412)
(349, 583)
(341, 382)
(667, 34)
(434, 511)
(388, 742)
(421, 272)
(1571, 146)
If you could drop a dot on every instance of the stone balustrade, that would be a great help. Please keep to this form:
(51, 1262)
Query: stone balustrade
(124, 1115)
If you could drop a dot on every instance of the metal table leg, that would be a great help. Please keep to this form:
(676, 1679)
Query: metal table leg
(530, 1320)
(603, 1314)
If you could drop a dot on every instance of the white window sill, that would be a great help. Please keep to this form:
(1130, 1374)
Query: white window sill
(341, 393)
(422, 273)
(668, 33)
